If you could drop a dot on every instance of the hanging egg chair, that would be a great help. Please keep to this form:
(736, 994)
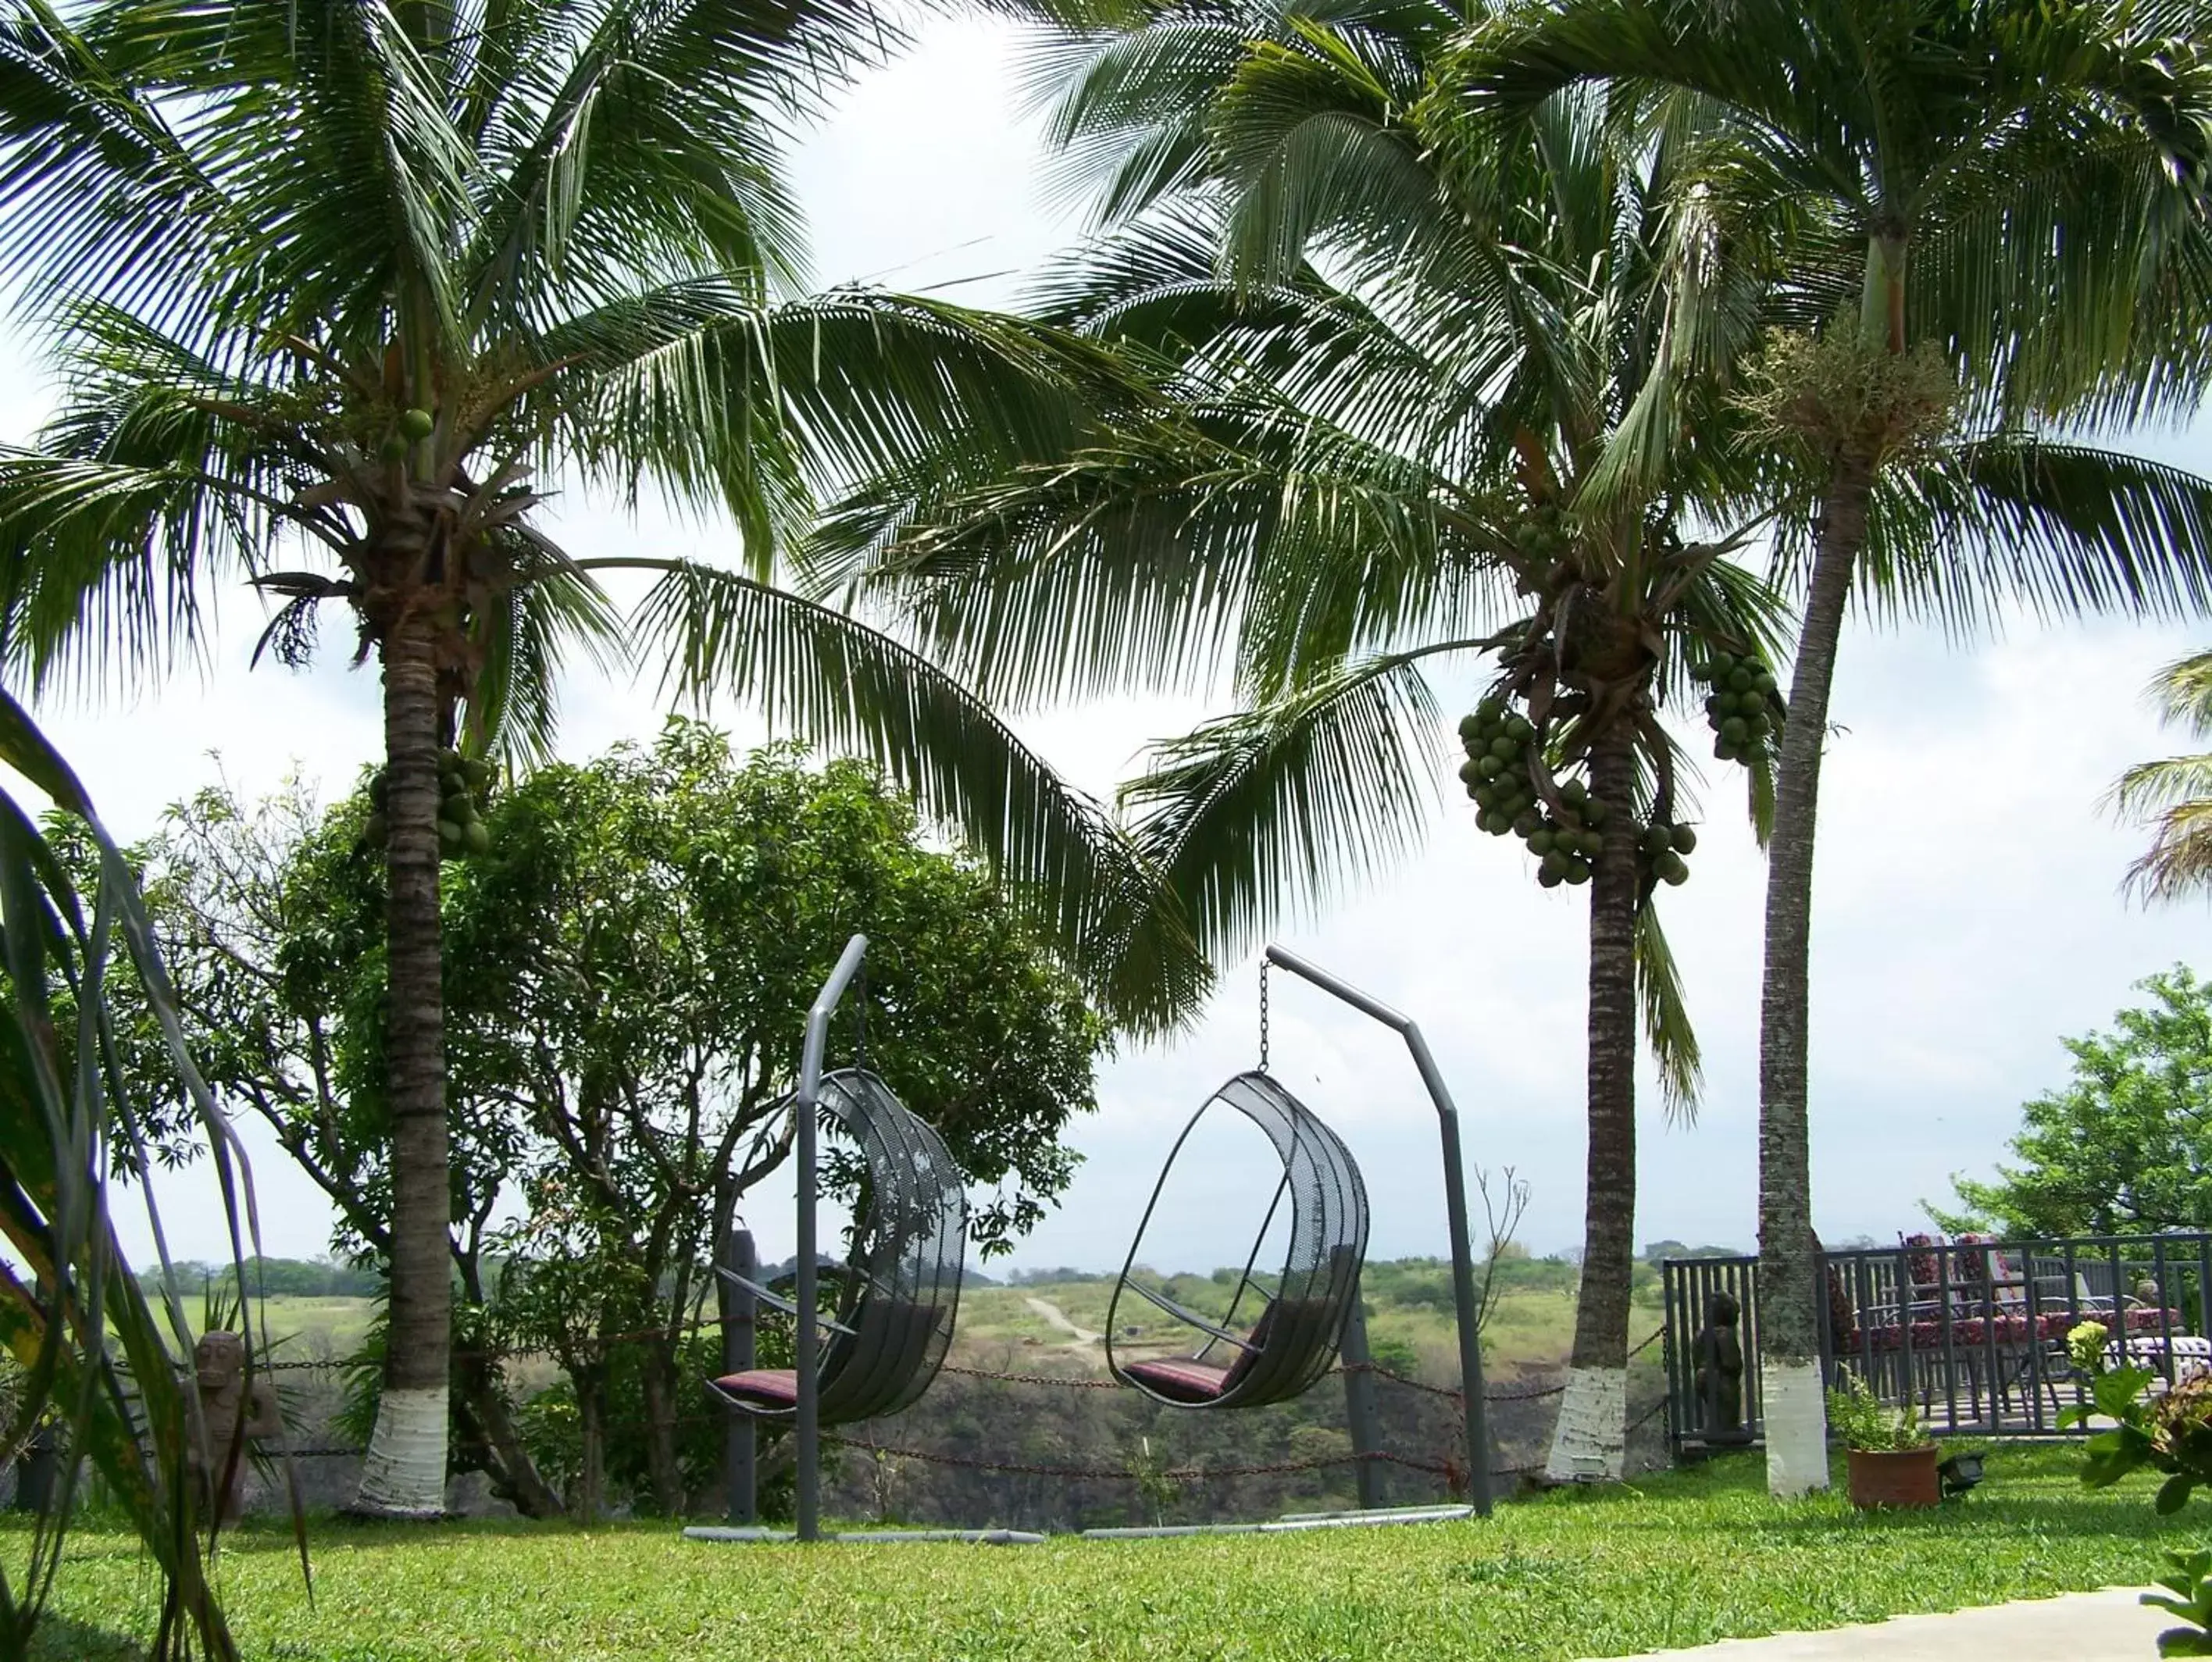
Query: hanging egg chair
(891, 1322)
(1271, 1345)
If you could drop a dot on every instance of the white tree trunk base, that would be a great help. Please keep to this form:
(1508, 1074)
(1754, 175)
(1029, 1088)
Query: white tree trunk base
(403, 1473)
(1794, 1404)
(1590, 1443)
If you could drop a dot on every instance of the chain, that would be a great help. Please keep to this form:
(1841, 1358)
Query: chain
(1263, 1012)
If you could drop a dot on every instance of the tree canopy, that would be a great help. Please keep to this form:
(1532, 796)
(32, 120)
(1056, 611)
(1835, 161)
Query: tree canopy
(2124, 1148)
(628, 971)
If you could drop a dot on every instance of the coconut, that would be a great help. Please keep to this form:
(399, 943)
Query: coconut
(449, 834)
(477, 836)
(1735, 729)
(416, 424)
(1579, 872)
(1684, 840)
(376, 830)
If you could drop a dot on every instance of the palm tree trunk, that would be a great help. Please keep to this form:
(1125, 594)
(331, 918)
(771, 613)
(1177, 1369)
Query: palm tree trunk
(1788, 1329)
(405, 1472)
(1590, 1440)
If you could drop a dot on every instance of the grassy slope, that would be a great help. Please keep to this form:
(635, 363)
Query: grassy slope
(1677, 1560)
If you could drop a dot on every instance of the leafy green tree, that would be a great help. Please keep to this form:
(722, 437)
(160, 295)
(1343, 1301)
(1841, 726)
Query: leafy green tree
(628, 971)
(1400, 378)
(1984, 221)
(2126, 1147)
(352, 280)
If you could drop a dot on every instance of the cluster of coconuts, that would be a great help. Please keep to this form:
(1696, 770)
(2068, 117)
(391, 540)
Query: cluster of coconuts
(1498, 773)
(1744, 709)
(464, 792)
(1566, 837)
(413, 426)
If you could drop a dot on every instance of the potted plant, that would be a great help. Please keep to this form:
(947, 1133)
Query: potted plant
(1892, 1461)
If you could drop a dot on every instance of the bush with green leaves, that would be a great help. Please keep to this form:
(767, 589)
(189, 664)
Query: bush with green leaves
(2171, 1432)
(1866, 1422)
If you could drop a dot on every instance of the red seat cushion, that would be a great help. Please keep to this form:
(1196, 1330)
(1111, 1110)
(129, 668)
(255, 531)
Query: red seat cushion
(771, 1387)
(1179, 1379)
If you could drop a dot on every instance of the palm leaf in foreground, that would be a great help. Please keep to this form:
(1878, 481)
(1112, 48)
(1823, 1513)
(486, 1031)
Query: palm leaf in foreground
(63, 1095)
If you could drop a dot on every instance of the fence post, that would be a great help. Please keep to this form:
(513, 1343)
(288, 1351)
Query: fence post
(1360, 1411)
(738, 1306)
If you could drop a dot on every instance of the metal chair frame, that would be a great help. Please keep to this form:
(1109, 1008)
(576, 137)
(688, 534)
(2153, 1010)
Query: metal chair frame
(894, 1316)
(1280, 1357)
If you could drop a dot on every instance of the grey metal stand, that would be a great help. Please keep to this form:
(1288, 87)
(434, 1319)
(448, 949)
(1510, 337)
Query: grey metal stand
(808, 1338)
(1463, 1299)
(739, 1306)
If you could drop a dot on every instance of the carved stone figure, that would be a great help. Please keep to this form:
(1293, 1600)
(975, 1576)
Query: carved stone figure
(1716, 1356)
(219, 1359)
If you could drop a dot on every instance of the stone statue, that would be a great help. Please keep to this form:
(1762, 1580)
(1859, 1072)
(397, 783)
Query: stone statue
(1716, 1356)
(220, 1360)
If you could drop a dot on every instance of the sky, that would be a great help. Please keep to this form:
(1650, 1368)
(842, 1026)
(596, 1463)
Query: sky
(1968, 909)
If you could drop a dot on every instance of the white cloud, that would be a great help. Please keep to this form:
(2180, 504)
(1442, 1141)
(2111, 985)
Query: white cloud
(1967, 910)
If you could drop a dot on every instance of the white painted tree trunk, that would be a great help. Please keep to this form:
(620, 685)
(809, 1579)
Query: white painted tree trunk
(1590, 1443)
(1793, 1404)
(403, 1473)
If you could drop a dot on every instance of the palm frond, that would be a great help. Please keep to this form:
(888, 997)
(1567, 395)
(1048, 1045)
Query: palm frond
(2181, 693)
(1667, 1018)
(1271, 813)
(2062, 530)
(820, 675)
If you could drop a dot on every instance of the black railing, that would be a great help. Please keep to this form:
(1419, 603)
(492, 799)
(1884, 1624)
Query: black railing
(1973, 1333)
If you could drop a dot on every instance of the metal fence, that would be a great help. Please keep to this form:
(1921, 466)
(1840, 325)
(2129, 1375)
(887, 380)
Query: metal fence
(1971, 1332)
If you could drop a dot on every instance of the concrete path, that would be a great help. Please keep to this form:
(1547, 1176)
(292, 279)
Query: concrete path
(2077, 1626)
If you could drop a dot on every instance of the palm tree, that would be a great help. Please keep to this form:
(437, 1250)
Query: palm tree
(1352, 479)
(342, 280)
(1997, 207)
(2175, 793)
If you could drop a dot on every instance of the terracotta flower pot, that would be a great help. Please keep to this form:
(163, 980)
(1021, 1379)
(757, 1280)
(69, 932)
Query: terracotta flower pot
(1894, 1478)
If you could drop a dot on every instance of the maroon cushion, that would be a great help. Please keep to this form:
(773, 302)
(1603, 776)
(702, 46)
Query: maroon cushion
(1179, 1379)
(771, 1387)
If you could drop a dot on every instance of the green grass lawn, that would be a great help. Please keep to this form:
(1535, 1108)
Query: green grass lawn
(1676, 1559)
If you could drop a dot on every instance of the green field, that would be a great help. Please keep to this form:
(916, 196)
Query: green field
(1531, 1328)
(1676, 1559)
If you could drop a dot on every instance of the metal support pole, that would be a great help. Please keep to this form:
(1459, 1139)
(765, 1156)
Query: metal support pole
(807, 1340)
(739, 1308)
(1463, 1299)
(1361, 1413)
